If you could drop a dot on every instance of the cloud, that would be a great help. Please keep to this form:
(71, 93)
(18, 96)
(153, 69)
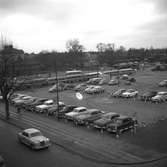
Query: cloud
(58, 11)
(160, 6)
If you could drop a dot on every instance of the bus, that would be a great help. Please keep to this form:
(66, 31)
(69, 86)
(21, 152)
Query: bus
(73, 73)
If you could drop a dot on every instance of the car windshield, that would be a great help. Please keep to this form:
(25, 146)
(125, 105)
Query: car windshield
(130, 90)
(34, 134)
(118, 121)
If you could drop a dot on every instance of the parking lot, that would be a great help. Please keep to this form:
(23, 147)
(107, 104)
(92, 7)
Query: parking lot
(147, 113)
(151, 116)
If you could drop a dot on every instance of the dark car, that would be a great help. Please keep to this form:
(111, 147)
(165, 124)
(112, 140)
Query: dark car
(104, 120)
(121, 124)
(131, 79)
(89, 117)
(148, 95)
(53, 110)
(68, 87)
(65, 110)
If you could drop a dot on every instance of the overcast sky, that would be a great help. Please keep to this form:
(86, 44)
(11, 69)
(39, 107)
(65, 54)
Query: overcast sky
(35, 25)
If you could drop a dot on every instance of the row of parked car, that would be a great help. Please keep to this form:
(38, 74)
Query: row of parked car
(94, 83)
(153, 96)
(102, 120)
(114, 80)
(163, 83)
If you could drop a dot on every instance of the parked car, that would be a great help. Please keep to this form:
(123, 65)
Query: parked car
(19, 99)
(68, 87)
(124, 77)
(33, 138)
(127, 83)
(66, 109)
(88, 117)
(54, 88)
(78, 110)
(2, 162)
(22, 102)
(148, 95)
(103, 81)
(24, 105)
(163, 83)
(81, 87)
(43, 108)
(121, 124)
(129, 93)
(160, 97)
(54, 109)
(118, 93)
(94, 81)
(131, 79)
(104, 120)
(113, 82)
(89, 88)
(94, 89)
(39, 101)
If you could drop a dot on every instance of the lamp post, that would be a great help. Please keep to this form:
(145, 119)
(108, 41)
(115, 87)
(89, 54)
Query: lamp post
(118, 76)
(57, 91)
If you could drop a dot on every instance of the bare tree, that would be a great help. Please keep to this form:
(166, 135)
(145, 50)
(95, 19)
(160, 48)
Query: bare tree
(8, 73)
(73, 45)
(102, 47)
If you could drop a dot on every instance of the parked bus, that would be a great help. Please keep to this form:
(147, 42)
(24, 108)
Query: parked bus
(73, 72)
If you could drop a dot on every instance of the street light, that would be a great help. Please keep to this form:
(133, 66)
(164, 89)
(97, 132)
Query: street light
(57, 91)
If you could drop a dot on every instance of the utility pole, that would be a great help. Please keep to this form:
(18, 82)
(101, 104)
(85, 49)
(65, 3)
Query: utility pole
(118, 76)
(57, 90)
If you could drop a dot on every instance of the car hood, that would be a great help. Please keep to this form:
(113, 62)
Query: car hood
(38, 138)
(112, 125)
(126, 93)
(102, 121)
(82, 117)
(156, 97)
(71, 113)
(43, 106)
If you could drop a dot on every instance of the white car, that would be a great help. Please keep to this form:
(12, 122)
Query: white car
(49, 102)
(163, 83)
(75, 112)
(161, 96)
(94, 89)
(130, 93)
(33, 138)
(43, 107)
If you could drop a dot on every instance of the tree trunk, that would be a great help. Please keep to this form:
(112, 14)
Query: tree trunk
(7, 109)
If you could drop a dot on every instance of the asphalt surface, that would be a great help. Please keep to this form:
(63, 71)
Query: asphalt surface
(19, 155)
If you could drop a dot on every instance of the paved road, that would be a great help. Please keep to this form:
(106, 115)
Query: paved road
(18, 155)
(105, 148)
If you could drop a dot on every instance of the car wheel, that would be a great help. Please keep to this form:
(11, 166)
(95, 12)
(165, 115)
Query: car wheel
(101, 130)
(32, 146)
(20, 140)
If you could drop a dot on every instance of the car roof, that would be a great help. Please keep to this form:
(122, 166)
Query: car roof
(123, 117)
(80, 108)
(31, 130)
(111, 113)
(93, 109)
(162, 93)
